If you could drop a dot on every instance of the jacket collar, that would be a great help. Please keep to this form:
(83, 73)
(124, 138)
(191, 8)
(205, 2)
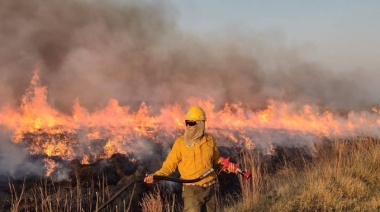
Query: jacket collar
(203, 140)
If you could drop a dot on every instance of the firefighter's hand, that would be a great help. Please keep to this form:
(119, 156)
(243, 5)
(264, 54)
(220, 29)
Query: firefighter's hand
(231, 168)
(148, 178)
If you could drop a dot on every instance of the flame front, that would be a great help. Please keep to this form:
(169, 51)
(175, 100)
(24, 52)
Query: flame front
(116, 129)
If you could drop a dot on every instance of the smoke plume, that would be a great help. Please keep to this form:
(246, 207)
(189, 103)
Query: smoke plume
(15, 160)
(134, 51)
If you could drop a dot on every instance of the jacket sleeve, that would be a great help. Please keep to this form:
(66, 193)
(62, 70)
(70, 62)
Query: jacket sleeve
(216, 154)
(171, 162)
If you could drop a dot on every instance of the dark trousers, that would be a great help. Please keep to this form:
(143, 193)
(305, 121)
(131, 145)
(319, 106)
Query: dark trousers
(198, 198)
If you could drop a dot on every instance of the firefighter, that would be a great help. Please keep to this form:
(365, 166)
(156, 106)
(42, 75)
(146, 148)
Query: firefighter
(194, 153)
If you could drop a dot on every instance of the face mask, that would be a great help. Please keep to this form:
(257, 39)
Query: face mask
(193, 134)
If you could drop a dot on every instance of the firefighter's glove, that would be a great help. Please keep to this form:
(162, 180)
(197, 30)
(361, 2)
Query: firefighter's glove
(148, 178)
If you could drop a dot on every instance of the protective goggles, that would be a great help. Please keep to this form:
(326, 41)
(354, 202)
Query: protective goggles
(190, 123)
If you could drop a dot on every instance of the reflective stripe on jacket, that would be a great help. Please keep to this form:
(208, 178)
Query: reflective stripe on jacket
(192, 161)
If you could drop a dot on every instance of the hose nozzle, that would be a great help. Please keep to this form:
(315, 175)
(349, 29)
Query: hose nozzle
(226, 163)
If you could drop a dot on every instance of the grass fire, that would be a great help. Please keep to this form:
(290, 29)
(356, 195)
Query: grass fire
(93, 95)
(91, 154)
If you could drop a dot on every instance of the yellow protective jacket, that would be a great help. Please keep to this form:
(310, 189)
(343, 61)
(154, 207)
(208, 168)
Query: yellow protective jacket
(192, 161)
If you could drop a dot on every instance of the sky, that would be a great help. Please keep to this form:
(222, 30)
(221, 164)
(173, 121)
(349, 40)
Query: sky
(341, 34)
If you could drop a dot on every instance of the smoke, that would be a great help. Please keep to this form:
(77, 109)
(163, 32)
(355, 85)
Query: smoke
(133, 51)
(15, 160)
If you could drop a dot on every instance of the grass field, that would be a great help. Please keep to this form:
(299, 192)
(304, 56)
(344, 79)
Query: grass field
(341, 175)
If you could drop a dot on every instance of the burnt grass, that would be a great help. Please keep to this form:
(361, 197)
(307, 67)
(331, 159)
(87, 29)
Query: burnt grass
(107, 176)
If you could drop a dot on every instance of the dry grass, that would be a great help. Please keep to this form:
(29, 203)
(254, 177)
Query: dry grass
(251, 188)
(342, 176)
(45, 195)
(152, 202)
(157, 201)
(345, 176)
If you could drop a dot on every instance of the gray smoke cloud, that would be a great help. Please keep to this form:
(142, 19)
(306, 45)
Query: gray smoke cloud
(134, 51)
(15, 160)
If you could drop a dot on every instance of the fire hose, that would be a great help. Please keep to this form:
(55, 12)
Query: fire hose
(154, 178)
(225, 162)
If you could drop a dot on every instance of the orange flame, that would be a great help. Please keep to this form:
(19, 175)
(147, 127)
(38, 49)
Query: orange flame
(116, 129)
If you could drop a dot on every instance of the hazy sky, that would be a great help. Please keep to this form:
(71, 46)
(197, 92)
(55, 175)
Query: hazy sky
(341, 34)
